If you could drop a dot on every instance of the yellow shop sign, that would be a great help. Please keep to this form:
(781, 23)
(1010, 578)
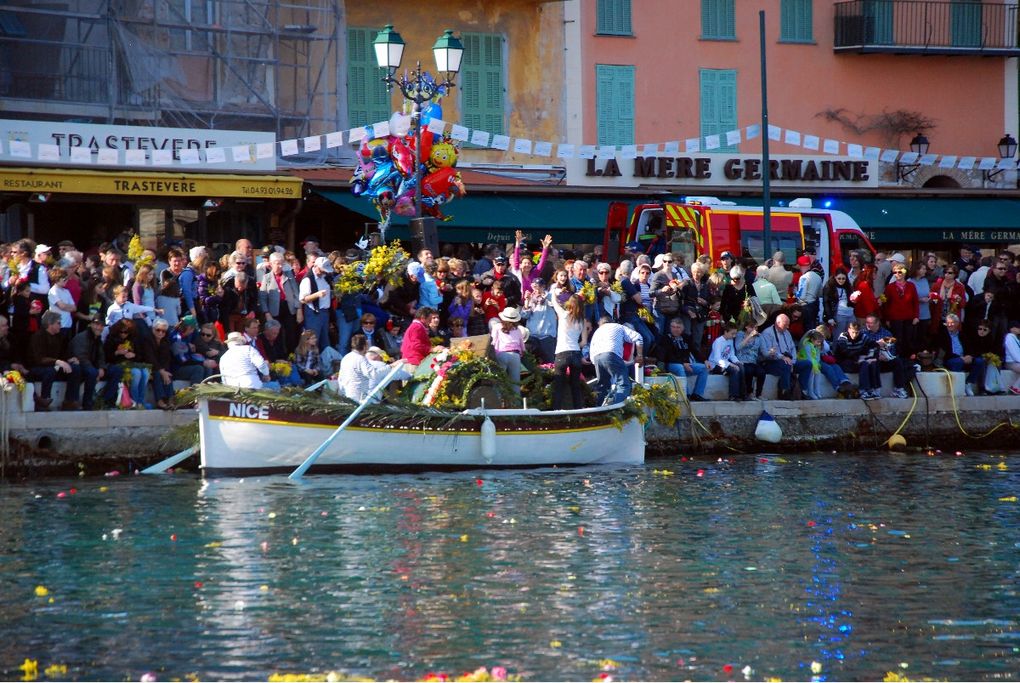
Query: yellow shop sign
(167, 185)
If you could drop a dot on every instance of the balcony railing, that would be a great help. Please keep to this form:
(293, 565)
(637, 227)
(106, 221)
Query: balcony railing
(935, 27)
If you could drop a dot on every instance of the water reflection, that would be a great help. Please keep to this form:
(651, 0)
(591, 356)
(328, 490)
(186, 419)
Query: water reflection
(856, 563)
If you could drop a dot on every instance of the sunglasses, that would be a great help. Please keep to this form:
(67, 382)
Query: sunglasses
(368, 323)
(1002, 269)
(207, 334)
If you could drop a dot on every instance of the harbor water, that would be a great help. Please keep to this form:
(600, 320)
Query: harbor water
(827, 566)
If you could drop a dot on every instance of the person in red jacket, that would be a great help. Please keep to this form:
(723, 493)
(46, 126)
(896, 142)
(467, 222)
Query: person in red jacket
(863, 297)
(901, 310)
(417, 343)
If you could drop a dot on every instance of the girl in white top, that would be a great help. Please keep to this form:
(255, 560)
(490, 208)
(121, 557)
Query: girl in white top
(571, 336)
(61, 301)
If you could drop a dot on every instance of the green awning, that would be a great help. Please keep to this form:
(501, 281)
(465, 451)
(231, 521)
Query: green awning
(494, 218)
(935, 220)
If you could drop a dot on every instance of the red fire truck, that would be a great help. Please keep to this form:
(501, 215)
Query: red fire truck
(706, 225)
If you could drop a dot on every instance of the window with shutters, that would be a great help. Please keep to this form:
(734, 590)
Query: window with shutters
(368, 101)
(718, 20)
(481, 82)
(795, 21)
(613, 18)
(718, 105)
(614, 104)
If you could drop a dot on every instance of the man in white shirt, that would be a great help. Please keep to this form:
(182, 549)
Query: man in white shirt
(314, 294)
(243, 366)
(606, 353)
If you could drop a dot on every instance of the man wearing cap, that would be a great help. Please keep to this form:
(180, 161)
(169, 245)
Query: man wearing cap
(725, 264)
(243, 366)
(809, 286)
(311, 246)
(511, 285)
(315, 296)
(280, 299)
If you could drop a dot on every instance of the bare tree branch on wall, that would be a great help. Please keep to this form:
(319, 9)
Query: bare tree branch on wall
(891, 125)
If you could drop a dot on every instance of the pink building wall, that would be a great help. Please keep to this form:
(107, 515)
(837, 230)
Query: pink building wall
(965, 96)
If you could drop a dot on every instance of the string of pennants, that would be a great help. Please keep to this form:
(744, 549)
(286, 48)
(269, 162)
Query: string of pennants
(400, 125)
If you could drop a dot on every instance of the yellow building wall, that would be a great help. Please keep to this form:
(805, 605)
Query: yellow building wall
(533, 31)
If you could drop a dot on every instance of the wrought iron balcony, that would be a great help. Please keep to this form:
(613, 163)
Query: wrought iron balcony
(930, 27)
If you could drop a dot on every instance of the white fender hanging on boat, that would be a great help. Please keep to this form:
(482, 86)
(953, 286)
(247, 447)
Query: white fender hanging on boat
(768, 429)
(488, 440)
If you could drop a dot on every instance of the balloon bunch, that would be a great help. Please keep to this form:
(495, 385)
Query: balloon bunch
(385, 172)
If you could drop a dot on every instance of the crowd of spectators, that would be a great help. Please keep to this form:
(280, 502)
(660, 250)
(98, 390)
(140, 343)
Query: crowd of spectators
(183, 315)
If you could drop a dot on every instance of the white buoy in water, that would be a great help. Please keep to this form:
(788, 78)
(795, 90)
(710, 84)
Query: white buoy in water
(768, 429)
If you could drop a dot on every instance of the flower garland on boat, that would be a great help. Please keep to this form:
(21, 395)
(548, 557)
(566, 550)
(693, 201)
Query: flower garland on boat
(457, 372)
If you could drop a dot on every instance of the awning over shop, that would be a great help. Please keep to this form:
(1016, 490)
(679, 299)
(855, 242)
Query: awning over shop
(494, 218)
(935, 219)
(146, 183)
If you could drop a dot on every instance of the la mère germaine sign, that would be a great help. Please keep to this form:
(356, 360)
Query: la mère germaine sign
(723, 169)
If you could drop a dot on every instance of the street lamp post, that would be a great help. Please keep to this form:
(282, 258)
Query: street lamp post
(919, 146)
(1007, 150)
(419, 86)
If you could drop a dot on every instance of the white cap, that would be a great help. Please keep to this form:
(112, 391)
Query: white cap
(196, 252)
(323, 263)
(898, 257)
(236, 339)
(42, 249)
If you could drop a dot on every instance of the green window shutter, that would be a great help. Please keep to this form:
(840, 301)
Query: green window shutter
(482, 82)
(718, 20)
(795, 21)
(966, 23)
(613, 18)
(718, 88)
(614, 104)
(368, 100)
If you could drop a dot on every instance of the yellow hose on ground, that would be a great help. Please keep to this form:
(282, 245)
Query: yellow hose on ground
(956, 412)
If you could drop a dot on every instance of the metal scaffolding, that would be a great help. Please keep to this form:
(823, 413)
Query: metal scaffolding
(267, 65)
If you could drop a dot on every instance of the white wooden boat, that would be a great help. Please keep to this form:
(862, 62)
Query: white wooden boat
(247, 437)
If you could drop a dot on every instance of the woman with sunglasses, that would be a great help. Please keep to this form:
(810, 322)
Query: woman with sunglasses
(948, 295)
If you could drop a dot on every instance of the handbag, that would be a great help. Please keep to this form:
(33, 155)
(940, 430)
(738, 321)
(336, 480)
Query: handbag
(757, 312)
(993, 380)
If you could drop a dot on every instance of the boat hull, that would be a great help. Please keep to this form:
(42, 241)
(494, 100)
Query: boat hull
(239, 438)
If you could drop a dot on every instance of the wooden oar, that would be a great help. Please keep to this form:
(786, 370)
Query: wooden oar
(164, 465)
(303, 467)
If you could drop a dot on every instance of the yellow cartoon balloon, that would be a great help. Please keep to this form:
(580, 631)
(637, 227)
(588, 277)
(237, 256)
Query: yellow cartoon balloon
(443, 155)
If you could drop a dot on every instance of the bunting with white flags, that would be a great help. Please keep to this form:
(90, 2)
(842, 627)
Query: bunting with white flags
(256, 152)
(312, 143)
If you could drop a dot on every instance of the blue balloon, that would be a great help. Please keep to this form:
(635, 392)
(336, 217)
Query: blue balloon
(431, 110)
